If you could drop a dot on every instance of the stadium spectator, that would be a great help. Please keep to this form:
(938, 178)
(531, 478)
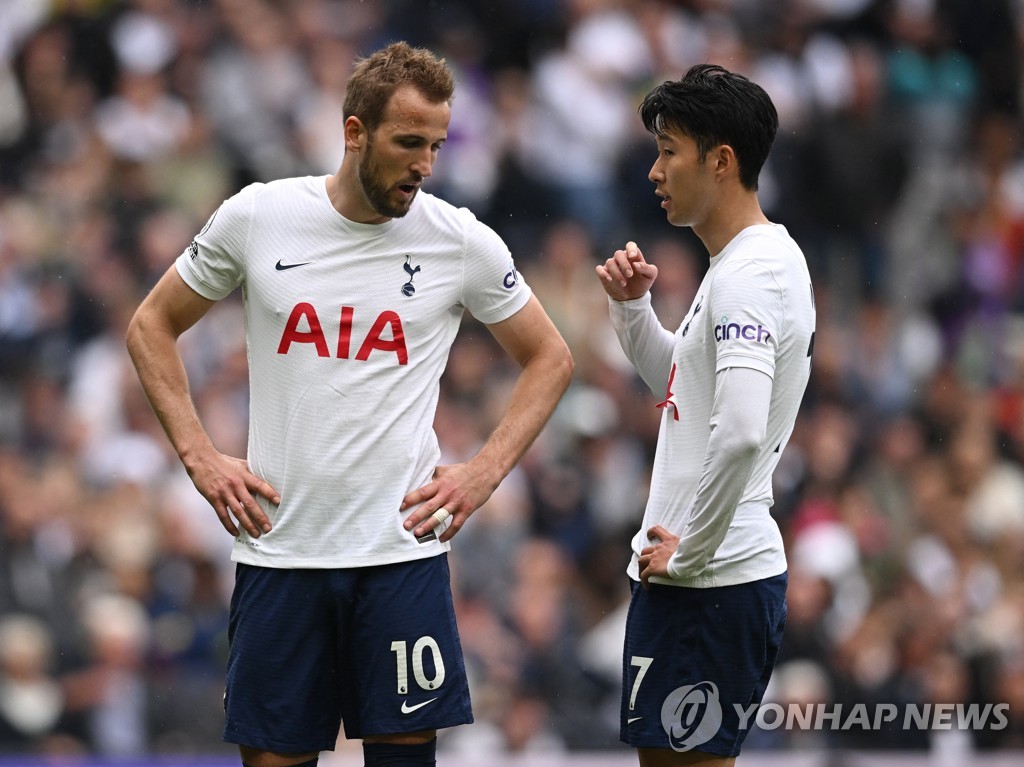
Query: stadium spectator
(865, 479)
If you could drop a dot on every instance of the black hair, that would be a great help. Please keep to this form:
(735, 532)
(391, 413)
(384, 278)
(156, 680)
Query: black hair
(714, 106)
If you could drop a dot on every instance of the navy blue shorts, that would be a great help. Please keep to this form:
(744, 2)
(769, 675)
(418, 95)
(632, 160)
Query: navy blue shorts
(374, 647)
(692, 656)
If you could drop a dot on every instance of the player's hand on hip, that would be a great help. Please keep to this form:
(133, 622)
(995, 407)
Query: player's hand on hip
(654, 559)
(626, 275)
(230, 487)
(455, 492)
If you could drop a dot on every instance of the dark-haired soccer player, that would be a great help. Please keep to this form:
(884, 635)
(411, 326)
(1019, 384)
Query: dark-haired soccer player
(354, 287)
(708, 606)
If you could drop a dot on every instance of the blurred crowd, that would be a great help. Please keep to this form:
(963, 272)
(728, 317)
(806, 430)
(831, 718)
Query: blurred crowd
(898, 167)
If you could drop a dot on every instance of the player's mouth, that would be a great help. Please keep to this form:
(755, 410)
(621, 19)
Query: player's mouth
(665, 199)
(408, 190)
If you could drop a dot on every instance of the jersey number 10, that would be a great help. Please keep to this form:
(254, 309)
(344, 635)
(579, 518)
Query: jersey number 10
(400, 649)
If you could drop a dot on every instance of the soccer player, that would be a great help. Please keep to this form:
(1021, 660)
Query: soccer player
(708, 565)
(354, 286)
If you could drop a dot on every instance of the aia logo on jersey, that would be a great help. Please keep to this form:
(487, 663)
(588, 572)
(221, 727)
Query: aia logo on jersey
(727, 331)
(304, 327)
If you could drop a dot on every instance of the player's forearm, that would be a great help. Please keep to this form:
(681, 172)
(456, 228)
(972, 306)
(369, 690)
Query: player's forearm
(738, 425)
(153, 350)
(713, 510)
(645, 342)
(541, 384)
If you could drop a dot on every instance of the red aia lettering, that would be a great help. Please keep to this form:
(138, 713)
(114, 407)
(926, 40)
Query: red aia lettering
(315, 335)
(345, 332)
(374, 341)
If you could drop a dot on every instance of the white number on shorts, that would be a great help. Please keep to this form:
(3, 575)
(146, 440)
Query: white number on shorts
(402, 664)
(643, 664)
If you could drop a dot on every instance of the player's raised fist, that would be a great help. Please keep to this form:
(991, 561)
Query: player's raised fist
(626, 275)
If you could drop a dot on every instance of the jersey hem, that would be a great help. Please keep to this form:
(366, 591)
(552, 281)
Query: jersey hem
(245, 557)
(190, 278)
(513, 307)
(743, 361)
(716, 579)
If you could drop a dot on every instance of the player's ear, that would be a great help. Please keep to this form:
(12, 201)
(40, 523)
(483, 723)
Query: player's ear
(724, 159)
(355, 133)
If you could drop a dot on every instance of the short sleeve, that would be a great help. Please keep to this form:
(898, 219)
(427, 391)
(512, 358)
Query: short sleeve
(214, 262)
(747, 314)
(493, 290)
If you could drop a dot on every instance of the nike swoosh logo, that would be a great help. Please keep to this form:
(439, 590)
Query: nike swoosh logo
(281, 267)
(634, 719)
(407, 709)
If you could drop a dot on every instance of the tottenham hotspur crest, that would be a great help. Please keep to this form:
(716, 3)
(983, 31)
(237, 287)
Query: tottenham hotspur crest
(408, 288)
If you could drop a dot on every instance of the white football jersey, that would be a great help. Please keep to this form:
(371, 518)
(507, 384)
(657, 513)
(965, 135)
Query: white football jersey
(754, 309)
(348, 328)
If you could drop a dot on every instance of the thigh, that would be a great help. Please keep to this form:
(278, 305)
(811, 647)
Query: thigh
(696, 661)
(405, 654)
(282, 680)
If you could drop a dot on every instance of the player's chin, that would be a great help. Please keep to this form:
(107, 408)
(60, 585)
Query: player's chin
(673, 214)
(402, 206)
(394, 208)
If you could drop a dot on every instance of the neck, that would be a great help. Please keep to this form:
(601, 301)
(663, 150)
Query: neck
(347, 198)
(727, 221)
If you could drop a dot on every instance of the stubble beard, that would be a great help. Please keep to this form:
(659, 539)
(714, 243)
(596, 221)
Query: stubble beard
(377, 194)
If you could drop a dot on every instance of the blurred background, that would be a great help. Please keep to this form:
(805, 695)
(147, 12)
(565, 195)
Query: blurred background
(898, 167)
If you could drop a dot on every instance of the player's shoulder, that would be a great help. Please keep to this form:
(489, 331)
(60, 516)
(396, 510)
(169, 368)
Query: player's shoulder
(281, 187)
(448, 219)
(440, 211)
(290, 197)
(771, 239)
(769, 247)
(290, 191)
